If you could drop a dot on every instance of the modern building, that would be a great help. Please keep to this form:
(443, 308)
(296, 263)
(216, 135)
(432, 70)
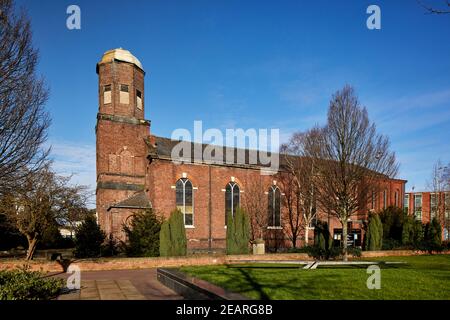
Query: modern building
(424, 206)
(136, 170)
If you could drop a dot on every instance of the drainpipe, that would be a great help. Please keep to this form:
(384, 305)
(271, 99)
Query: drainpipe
(209, 215)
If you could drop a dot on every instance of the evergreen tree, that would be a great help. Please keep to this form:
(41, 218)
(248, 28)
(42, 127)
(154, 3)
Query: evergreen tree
(143, 235)
(374, 235)
(322, 236)
(408, 230)
(433, 235)
(165, 245)
(88, 238)
(10, 236)
(392, 221)
(418, 233)
(238, 232)
(172, 236)
(51, 237)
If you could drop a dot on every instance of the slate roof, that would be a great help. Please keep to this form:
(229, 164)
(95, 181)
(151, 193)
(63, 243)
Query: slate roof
(161, 148)
(137, 201)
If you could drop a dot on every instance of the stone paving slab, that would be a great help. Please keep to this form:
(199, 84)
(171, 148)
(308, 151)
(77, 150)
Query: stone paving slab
(120, 285)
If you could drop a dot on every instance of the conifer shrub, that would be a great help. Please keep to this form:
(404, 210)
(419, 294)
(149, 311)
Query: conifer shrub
(142, 234)
(89, 238)
(172, 236)
(322, 237)
(238, 232)
(374, 234)
(392, 219)
(418, 233)
(433, 236)
(408, 231)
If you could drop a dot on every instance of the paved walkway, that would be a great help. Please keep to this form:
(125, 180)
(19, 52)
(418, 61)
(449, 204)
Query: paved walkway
(120, 285)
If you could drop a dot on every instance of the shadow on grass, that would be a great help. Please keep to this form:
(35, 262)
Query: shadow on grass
(255, 285)
(237, 266)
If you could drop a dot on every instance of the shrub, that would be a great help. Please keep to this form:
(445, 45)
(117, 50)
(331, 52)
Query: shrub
(109, 248)
(27, 285)
(433, 236)
(172, 236)
(10, 236)
(408, 231)
(238, 232)
(374, 235)
(418, 233)
(299, 250)
(143, 235)
(392, 219)
(88, 238)
(354, 252)
(446, 245)
(391, 244)
(322, 236)
(51, 237)
(319, 253)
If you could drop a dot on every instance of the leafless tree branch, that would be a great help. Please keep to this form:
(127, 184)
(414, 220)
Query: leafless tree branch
(23, 120)
(431, 10)
(351, 159)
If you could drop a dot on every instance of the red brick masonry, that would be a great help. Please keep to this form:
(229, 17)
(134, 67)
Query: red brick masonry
(193, 260)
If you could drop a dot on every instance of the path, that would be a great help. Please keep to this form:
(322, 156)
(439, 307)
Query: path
(139, 284)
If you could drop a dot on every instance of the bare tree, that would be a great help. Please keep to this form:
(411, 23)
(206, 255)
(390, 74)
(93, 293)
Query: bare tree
(43, 198)
(290, 200)
(437, 185)
(433, 10)
(301, 169)
(73, 201)
(351, 159)
(23, 120)
(255, 204)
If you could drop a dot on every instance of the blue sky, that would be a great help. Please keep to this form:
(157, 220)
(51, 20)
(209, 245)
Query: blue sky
(252, 64)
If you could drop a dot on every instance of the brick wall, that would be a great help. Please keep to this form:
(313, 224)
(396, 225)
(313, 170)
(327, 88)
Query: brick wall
(121, 149)
(123, 169)
(195, 260)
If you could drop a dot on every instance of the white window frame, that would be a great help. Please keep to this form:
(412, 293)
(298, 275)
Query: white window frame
(184, 181)
(107, 95)
(416, 216)
(433, 213)
(273, 189)
(374, 199)
(406, 203)
(232, 183)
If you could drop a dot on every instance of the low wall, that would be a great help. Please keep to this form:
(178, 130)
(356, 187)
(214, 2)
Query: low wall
(144, 263)
(393, 253)
(194, 288)
(171, 262)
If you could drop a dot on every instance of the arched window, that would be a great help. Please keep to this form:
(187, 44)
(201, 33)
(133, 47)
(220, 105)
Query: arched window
(374, 198)
(274, 207)
(185, 200)
(232, 199)
(396, 198)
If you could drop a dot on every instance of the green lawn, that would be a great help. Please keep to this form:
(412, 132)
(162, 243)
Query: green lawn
(424, 277)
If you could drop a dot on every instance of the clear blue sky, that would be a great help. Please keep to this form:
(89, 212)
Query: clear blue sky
(252, 64)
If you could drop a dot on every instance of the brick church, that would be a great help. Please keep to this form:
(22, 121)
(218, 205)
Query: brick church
(135, 170)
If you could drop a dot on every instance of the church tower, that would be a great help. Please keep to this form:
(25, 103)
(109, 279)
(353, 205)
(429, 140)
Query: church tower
(121, 132)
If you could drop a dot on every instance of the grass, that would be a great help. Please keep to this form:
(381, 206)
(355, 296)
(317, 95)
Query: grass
(423, 278)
